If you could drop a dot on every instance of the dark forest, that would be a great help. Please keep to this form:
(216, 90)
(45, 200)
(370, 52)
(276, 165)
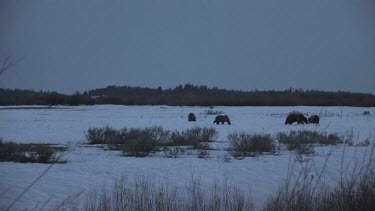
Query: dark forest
(187, 95)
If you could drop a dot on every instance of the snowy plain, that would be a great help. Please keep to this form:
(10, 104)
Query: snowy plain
(92, 168)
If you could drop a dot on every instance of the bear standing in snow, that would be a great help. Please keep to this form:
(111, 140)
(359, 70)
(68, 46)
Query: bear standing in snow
(222, 119)
(191, 117)
(296, 117)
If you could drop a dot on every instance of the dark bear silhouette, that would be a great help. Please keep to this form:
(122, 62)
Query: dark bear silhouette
(314, 119)
(191, 117)
(222, 119)
(296, 117)
(366, 113)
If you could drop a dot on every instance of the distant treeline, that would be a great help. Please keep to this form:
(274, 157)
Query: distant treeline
(188, 95)
(29, 97)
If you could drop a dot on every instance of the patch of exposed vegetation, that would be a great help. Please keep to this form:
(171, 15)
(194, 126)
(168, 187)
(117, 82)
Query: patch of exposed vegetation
(245, 144)
(213, 112)
(29, 153)
(298, 140)
(197, 137)
(140, 142)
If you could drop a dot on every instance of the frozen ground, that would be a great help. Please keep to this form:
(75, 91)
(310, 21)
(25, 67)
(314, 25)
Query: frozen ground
(91, 168)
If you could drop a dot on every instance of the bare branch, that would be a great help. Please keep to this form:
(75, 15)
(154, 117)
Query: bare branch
(7, 63)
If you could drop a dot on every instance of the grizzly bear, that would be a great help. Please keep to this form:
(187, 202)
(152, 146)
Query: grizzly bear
(296, 117)
(314, 119)
(191, 117)
(222, 119)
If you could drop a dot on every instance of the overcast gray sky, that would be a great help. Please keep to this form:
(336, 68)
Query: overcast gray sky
(237, 44)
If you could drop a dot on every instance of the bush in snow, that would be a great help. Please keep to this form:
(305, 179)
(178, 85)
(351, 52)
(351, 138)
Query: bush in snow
(301, 140)
(94, 136)
(203, 153)
(244, 144)
(199, 134)
(105, 135)
(173, 151)
(139, 146)
(108, 135)
(212, 112)
(141, 142)
(197, 137)
(28, 153)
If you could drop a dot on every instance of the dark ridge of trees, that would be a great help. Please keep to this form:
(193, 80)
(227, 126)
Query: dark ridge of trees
(203, 96)
(188, 95)
(29, 97)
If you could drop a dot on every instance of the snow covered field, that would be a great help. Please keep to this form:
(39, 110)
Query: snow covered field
(92, 168)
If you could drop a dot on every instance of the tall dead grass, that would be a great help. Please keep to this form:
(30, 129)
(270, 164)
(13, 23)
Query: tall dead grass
(143, 195)
(354, 192)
